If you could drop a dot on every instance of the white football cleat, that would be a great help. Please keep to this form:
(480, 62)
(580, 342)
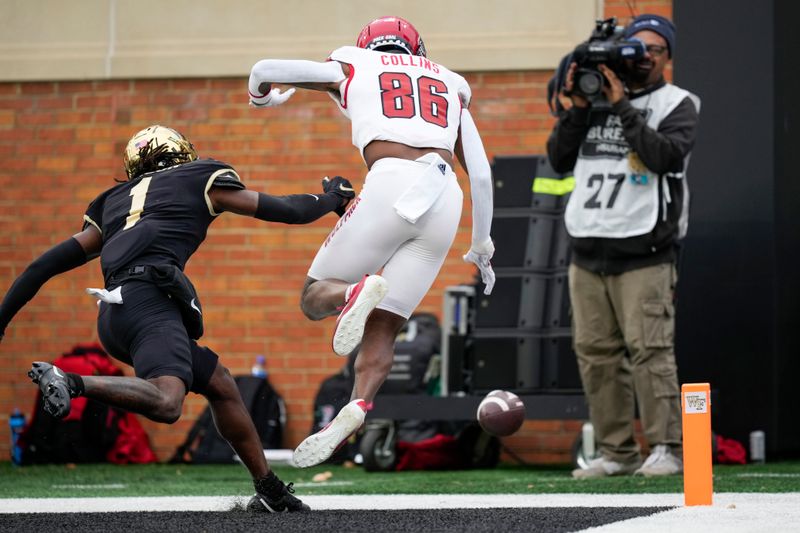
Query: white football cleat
(318, 447)
(364, 297)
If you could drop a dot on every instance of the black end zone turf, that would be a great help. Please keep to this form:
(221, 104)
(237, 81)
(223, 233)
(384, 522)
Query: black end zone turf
(550, 519)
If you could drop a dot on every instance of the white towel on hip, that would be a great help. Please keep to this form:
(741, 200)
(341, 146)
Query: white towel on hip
(426, 189)
(110, 297)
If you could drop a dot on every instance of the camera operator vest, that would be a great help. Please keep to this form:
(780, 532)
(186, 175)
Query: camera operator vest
(615, 195)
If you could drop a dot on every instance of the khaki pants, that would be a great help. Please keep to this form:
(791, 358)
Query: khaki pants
(623, 333)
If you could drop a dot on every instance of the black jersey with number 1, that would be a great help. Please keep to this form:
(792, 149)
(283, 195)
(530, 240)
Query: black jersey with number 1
(159, 218)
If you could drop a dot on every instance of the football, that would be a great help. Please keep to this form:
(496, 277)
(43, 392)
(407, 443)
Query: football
(501, 413)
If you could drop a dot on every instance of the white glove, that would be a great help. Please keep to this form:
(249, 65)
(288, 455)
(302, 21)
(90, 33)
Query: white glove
(273, 98)
(481, 255)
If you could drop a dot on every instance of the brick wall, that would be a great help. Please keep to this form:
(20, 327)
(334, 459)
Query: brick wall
(61, 144)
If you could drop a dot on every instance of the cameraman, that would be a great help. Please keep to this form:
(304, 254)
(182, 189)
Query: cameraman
(626, 217)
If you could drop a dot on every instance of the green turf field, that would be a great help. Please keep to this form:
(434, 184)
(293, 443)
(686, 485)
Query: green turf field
(231, 480)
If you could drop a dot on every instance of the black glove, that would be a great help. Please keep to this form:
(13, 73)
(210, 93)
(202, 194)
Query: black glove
(341, 187)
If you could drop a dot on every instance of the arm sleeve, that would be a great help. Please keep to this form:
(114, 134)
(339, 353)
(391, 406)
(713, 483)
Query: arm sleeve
(480, 180)
(292, 71)
(664, 150)
(465, 93)
(295, 208)
(565, 140)
(57, 260)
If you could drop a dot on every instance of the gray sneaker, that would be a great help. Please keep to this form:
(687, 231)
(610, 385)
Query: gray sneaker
(661, 462)
(602, 467)
(53, 383)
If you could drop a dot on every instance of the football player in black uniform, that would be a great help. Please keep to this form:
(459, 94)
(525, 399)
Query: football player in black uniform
(144, 230)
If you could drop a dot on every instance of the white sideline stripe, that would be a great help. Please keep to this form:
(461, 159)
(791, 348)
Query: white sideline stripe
(319, 484)
(91, 487)
(746, 504)
(767, 474)
(731, 513)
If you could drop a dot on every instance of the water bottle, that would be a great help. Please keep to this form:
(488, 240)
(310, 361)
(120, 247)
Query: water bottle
(757, 447)
(587, 440)
(259, 370)
(17, 423)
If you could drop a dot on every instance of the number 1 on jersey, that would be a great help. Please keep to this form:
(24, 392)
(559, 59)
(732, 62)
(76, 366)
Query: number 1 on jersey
(137, 204)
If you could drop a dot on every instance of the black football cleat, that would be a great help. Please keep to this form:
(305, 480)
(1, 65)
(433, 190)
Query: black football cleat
(54, 385)
(287, 503)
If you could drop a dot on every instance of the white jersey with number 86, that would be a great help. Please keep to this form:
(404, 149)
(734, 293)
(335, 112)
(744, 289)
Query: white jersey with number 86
(400, 98)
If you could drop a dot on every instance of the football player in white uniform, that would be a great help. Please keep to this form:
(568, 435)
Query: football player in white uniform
(409, 117)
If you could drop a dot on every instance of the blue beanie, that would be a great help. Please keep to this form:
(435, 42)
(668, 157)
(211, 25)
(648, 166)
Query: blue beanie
(655, 23)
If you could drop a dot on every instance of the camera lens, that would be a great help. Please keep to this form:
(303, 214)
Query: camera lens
(590, 83)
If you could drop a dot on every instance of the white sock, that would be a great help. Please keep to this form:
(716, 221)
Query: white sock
(348, 291)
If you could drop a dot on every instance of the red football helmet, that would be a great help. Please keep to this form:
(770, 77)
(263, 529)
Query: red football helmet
(387, 33)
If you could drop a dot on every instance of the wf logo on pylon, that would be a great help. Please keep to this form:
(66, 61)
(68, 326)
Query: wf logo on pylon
(696, 402)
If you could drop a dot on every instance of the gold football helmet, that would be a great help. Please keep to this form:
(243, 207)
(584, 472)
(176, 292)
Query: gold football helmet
(155, 148)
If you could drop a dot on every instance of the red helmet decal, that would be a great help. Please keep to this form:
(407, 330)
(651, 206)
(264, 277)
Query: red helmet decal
(391, 33)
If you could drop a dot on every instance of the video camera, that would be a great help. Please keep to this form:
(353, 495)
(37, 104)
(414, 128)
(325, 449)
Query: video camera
(605, 45)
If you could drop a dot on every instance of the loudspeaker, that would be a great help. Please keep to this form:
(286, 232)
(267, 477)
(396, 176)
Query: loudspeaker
(456, 364)
(513, 180)
(515, 302)
(554, 203)
(560, 247)
(530, 241)
(557, 306)
(560, 365)
(493, 364)
(530, 300)
(525, 363)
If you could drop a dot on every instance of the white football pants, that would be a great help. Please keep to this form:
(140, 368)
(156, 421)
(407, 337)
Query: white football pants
(372, 235)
